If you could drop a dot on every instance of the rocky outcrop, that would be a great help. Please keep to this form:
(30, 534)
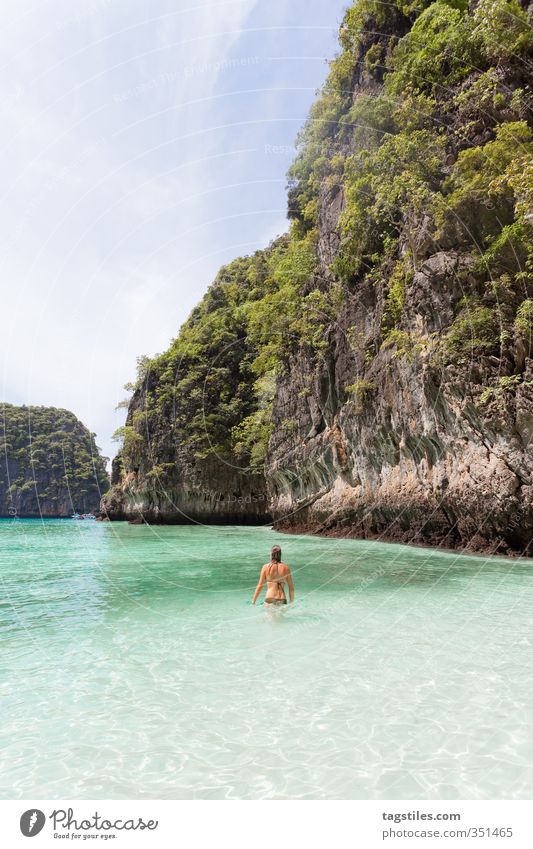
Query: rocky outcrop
(206, 492)
(50, 465)
(403, 379)
(416, 460)
(402, 432)
(178, 463)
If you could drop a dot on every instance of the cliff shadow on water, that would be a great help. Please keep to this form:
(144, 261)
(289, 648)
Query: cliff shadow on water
(369, 373)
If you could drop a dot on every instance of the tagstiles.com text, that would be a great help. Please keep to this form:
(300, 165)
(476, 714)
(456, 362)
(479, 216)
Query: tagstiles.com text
(415, 824)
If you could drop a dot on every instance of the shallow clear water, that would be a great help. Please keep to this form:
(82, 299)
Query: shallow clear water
(134, 666)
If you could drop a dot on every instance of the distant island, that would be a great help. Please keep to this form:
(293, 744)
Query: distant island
(50, 466)
(370, 373)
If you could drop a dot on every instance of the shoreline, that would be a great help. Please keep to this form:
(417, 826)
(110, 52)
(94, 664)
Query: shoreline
(496, 548)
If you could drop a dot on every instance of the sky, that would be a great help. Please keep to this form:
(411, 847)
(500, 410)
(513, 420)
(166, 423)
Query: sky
(144, 145)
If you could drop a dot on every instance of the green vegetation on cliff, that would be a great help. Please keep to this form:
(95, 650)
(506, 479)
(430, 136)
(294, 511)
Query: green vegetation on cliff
(411, 151)
(49, 463)
(214, 386)
(414, 170)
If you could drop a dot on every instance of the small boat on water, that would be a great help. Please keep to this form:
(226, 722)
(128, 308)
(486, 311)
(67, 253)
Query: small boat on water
(83, 516)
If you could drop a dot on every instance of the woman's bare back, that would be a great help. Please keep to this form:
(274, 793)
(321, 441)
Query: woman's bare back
(276, 575)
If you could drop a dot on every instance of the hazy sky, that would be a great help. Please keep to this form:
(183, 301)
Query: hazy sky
(138, 155)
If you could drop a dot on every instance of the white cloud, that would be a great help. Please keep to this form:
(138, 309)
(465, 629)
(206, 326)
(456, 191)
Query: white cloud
(122, 124)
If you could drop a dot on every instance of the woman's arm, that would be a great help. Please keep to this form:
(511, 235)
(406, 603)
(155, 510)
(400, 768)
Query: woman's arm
(291, 586)
(260, 585)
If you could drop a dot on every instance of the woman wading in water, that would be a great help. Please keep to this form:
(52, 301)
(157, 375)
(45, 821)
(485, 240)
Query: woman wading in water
(276, 574)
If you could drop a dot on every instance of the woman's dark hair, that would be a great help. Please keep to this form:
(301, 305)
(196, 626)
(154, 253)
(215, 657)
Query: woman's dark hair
(275, 554)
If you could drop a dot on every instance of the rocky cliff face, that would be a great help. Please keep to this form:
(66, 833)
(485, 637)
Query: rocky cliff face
(416, 457)
(50, 465)
(416, 422)
(180, 462)
(393, 323)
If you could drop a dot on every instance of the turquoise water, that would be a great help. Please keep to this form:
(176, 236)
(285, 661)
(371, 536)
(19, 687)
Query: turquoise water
(134, 666)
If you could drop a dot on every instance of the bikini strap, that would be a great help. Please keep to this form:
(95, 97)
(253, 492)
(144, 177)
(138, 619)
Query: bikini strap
(268, 567)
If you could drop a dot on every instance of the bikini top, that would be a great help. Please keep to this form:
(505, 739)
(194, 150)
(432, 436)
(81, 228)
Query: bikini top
(274, 580)
(280, 579)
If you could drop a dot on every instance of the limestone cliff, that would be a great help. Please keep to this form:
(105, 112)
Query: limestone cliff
(49, 464)
(370, 373)
(179, 461)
